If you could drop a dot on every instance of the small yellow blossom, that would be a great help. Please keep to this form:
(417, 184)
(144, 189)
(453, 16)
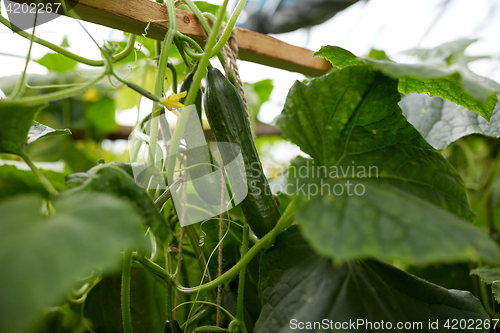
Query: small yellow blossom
(91, 95)
(172, 101)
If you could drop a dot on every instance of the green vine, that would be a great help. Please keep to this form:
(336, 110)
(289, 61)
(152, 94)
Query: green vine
(125, 292)
(265, 242)
(241, 282)
(194, 56)
(48, 186)
(21, 86)
(94, 63)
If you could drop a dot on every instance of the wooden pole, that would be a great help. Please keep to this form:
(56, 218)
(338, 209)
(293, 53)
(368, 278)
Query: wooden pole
(124, 131)
(134, 15)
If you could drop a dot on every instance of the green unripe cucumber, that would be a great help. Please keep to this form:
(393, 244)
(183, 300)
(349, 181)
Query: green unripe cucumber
(228, 120)
(185, 86)
(171, 326)
(199, 156)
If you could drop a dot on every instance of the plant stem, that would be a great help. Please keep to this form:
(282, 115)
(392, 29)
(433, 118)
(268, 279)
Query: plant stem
(229, 28)
(168, 266)
(127, 50)
(285, 221)
(221, 243)
(180, 48)
(164, 197)
(94, 63)
(152, 267)
(137, 88)
(21, 85)
(241, 282)
(174, 77)
(160, 77)
(48, 186)
(179, 268)
(138, 102)
(204, 24)
(210, 329)
(209, 303)
(202, 67)
(42, 99)
(182, 120)
(199, 15)
(175, 141)
(191, 42)
(125, 292)
(198, 252)
(194, 240)
(486, 302)
(191, 96)
(197, 316)
(267, 239)
(487, 197)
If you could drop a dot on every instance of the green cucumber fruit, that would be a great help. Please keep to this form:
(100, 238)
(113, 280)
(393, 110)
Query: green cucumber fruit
(228, 120)
(185, 86)
(197, 152)
(172, 326)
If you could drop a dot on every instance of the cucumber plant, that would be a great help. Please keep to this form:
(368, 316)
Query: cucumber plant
(376, 228)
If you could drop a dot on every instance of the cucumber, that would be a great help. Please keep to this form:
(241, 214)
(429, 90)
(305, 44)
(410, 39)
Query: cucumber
(185, 86)
(228, 120)
(172, 326)
(208, 188)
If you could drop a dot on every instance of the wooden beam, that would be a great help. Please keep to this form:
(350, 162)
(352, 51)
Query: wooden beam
(134, 15)
(124, 131)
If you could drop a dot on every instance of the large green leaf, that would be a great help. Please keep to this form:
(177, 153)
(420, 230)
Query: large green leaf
(350, 124)
(350, 118)
(346, 112)
(114, 179)
(388, 223)
(101, 117)
(18, 128)
(378, 55)
(448, 53)
(453, 83)
(455, 276)
(442, 122)
(490, 276)
(339, 57)
(297, 284)
(15, 182)
(15, 123)
(57, 62)
(257, 94)
(42, 257)
(148, 302)
(64, 149)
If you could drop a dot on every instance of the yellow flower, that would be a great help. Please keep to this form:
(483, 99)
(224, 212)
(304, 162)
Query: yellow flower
(91, 95)
(172, 101)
